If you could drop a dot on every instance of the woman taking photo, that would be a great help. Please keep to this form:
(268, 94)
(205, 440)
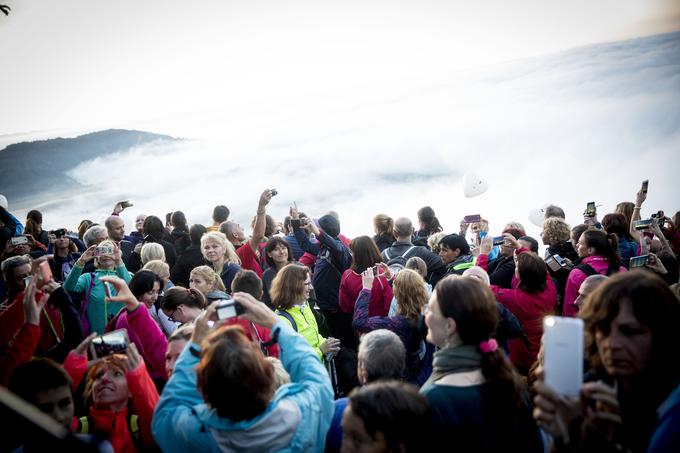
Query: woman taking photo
(411, 296)
(65, 254)
(365, 255)
(96, 310)
(289, 292)
(221, 255)
(599, 253)
(631, 336)
(476, 396)
(277, 254)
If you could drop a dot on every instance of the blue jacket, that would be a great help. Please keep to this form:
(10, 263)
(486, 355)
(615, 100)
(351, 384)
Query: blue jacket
(297, 418)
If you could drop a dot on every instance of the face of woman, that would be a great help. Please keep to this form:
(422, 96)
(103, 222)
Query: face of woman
(280, 254)
(626, 350)
(199, 284)
(110, 387)
(183, 314)
(213, 251)
(308, 286)
(581, 247)
(149, 297)
(139, 223)
(447, 254)
(105, 262)
(437, 324)
(62, 242)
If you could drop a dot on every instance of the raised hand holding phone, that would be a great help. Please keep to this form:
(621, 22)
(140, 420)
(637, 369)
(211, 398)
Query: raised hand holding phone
(367, 278)
(123, 293)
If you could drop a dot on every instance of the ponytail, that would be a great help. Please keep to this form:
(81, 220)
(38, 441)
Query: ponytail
(613, 254)
(176, 296)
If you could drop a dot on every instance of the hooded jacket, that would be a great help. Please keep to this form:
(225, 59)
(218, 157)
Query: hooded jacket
(296, 419)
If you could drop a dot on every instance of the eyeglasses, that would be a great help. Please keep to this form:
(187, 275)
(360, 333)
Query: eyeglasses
(171, 318)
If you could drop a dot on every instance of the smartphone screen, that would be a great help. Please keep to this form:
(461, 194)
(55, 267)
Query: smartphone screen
(645, 185)
(639, 261)
(46, 273)
(498, 240)
(107, 290)
(552, 264)
(563, 348)
(642, 224)
(590, 209)
(472, 218)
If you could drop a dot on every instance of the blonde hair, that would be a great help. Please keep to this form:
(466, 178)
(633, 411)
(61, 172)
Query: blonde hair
(556, 230)
(159, 268)
(152, 251)
(230, 255)
(411, 295)
(383, 224)
(417, 264)
(208, 274)
(433, 241)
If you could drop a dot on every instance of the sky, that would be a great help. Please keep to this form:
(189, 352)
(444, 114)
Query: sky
(360, 107)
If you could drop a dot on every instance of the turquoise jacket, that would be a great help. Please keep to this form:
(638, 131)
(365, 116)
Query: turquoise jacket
(99, 311)
(296, 419)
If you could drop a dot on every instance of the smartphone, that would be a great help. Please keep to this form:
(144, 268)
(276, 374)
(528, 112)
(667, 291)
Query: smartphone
(227, 308)
(126, 204)
(590, 209)
(642, 224)
(45, 273)
(563, 264)
(274, 192)
(552, 263)
(103, 250)
(376, 271)
(115, 342)
(499, 240)
(563, 354)
(60, 232)
(19, 240)
(107, 290)
(639, 261)
(645, 185)
(472, 218)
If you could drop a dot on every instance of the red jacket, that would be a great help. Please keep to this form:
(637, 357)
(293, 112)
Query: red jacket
(144, 398)
(351, 286)
(530, 309)
(20, 351)
(12, 318)
(576, 277)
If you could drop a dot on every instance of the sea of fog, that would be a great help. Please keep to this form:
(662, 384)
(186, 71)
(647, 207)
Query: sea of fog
(584, 125)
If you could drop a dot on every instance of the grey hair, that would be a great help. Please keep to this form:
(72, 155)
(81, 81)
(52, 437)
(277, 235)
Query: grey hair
(12, 263)
(91, 234)
(403, 227)
(382, 355)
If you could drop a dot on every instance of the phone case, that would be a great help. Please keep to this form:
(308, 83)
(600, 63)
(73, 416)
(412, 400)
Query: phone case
(563, 354)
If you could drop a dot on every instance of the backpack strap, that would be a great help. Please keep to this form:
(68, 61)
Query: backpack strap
(85, 425)
(587, 269)
(134, 430)
(289, 317)
(408, 251)
(387, 255)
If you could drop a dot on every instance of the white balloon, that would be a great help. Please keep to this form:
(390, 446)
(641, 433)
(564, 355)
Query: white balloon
(474, 185)
(536, 216)
(3, 202)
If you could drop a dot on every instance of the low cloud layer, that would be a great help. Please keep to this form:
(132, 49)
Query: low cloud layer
(584, 125)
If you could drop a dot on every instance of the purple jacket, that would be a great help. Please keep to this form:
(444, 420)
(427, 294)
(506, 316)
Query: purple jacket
(147, 336)
(576, 277)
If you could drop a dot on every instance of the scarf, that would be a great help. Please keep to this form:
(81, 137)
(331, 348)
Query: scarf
(454, 360)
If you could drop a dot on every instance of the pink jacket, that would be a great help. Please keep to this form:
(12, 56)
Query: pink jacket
(576, 277)
(351, 286)
(148, 337)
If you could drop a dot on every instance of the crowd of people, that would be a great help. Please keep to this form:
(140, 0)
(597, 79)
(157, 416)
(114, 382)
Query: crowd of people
(180, 337)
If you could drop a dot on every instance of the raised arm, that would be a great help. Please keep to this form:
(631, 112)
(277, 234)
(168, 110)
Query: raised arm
(260, 220)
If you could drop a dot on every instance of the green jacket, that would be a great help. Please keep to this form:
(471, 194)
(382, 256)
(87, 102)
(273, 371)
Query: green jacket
(305, 326)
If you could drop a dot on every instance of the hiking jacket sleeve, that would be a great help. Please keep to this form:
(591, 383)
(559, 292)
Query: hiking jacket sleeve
(153, 342)
(304, 241)
(76, 281)
(337, 249)
(20, 351)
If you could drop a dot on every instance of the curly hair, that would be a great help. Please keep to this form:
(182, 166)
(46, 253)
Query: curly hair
(556, 230)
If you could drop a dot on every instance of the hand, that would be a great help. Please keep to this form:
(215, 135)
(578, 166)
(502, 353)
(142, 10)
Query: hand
(256, 311)
(605, 418)
(331, 345)
(486, 245)
(386, 272)
(463, 227)
(645, 244)
(552, 411)
(367, 278)
(52, 238)
(82, 348)
(31, 240)
(138, 248)
(51, 286)
(265, 198)
(32, 307)
(294, 214)
(654, 228)
(201, 326)
(118, 208)
(123, 293)
(511, 241)
(87, 256)
(656, 265)
(640, 197)
(669, 224)
(134, 359)
(590, 221)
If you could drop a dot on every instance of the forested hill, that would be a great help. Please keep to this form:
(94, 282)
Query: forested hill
(31, 167)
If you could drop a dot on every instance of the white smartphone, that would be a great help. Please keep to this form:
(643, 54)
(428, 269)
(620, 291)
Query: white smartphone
(563, 354)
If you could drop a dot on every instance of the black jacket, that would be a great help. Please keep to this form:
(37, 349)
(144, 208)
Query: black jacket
(188, 259)
(501, 271)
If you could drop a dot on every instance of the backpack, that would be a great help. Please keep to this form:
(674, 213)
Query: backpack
(86, 426)
(397, 263)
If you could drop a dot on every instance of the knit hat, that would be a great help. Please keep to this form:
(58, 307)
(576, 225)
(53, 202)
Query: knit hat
(330, 225)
